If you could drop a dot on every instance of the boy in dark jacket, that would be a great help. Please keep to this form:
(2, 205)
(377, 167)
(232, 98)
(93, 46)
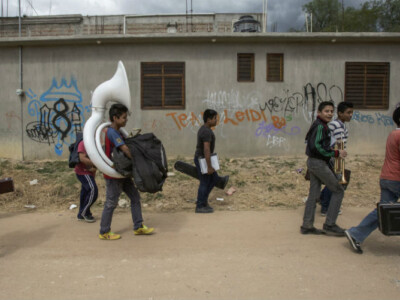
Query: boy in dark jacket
(319, 152)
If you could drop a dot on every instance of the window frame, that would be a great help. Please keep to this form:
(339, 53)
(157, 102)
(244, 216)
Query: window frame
(349, 80)
(163, 76)
(281, 67)
(252, 66)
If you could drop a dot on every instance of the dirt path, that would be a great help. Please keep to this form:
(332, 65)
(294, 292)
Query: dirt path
(225, 255)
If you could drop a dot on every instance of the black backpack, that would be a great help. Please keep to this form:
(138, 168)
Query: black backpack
(73, 151)
(149, 165)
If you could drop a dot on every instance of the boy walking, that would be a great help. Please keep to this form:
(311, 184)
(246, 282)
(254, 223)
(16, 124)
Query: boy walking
(85, 172)
(319, 152)
(390, 187)
(204, 148)
(118, 114)
(339, 132)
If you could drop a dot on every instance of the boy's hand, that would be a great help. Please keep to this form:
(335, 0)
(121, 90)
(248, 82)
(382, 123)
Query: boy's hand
(210, 170)
(342, 153)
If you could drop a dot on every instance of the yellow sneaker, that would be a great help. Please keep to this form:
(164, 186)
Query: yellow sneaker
(109, 236)
(143, 230)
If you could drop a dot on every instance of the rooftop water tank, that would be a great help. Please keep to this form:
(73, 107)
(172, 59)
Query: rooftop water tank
(246, 24)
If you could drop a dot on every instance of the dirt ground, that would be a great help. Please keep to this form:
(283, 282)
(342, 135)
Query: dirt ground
(225, 255)
(250, 248)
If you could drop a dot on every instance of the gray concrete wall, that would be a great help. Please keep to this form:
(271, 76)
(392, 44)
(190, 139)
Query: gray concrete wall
(247, 120)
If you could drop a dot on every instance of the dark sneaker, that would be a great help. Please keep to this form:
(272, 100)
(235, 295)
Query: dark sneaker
(323, 212)
(311, 230)
(333, 230)
(204, 210)
(80, 218)
(89, 219)
(353, 243)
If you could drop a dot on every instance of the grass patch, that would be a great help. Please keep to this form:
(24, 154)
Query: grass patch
(20, 167)
(280, 187)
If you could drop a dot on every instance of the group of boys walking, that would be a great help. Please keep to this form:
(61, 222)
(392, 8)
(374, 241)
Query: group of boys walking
(86, 171)
(320, 139)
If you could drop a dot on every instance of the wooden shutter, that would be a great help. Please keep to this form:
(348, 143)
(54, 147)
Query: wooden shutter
(274, 67)
(163, 85)
(367, 84)
(245, 67)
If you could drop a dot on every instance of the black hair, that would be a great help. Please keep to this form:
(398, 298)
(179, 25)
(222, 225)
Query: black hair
(322, 105)
(396, 116)
(343, 106)
(116, 110)
(209, 114)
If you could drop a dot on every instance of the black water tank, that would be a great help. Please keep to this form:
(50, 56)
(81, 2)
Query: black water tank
(247, 24)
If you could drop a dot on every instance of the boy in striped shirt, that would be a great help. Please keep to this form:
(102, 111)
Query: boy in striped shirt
(339, 132)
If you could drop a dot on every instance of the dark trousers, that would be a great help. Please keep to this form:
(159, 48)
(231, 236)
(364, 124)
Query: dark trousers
(89, 192)
(114, 188)
(320, 173)
(325, 198)
(207, 183)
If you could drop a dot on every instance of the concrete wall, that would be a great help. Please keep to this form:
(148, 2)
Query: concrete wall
(250, 112)
(72, 25)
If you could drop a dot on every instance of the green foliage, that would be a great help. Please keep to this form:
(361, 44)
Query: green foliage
(371, 16)
(388, 14)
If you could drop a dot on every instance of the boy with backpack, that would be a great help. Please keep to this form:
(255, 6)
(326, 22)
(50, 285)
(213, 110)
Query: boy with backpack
(118, 114)
(319, 152)
(85, 172)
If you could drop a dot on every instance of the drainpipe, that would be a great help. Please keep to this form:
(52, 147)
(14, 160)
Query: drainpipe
(20, 91)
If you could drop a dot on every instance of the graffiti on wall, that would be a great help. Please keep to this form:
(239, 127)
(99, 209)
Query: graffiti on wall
(379, 118)
(59, 114)
(305, 102)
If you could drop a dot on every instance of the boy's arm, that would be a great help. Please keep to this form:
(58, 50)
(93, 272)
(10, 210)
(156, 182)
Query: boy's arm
(324, 152)
(85, 160)
(124, 148)
(207, 156)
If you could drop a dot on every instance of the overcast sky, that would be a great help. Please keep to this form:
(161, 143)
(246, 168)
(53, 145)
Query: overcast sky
(285, 13)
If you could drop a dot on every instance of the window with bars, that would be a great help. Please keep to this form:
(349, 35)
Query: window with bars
(162, 85)
(245, 67)
(367, 84)
(274, 66)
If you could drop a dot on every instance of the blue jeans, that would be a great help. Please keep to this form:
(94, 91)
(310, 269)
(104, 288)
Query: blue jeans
(390, 193)
(207, 183)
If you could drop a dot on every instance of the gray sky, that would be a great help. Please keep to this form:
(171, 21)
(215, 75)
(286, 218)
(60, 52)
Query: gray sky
(286, 13)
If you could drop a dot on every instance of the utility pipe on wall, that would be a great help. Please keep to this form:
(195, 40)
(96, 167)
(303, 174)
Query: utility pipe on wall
(20, 91)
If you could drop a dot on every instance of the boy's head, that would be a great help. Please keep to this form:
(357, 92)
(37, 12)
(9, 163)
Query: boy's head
(325, 111)
(118, 114)
(210, 116)
(345, 111)
(396, 116)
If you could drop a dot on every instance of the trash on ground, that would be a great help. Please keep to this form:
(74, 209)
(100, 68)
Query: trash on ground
(30, 206)
(33, 182)
(123, 203)
(230, 191)
(220, 199)
(73, 206)
(170, 174)
(299, 170)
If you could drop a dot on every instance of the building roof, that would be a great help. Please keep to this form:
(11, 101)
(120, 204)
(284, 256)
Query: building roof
(235, 37)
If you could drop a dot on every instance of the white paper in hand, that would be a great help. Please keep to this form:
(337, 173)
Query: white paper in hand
(214, 163)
